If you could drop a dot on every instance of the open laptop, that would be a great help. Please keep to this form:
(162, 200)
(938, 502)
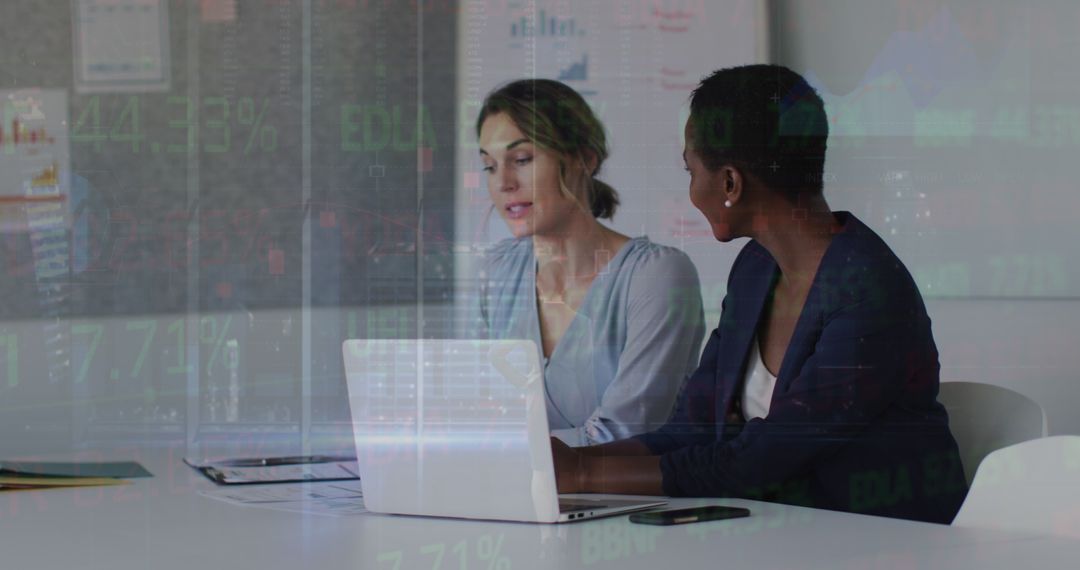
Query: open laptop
(458, 428)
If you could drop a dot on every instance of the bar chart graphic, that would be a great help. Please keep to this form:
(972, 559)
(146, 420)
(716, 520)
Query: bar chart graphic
(578, 71)
(545, 26)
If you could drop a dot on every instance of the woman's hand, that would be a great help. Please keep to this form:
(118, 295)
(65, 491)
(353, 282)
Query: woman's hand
(585, 470)
(570, 474)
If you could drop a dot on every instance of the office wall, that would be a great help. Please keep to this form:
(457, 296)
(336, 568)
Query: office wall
(955, 138)
(292, 160)
(954, 127)
(1026, 345)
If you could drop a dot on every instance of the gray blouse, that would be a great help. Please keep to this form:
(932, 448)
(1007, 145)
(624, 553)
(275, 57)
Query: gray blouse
(619, 366)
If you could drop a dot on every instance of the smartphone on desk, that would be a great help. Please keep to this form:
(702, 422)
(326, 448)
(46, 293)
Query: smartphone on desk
(691, 515)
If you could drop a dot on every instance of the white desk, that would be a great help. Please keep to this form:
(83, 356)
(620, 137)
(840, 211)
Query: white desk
(162, 524)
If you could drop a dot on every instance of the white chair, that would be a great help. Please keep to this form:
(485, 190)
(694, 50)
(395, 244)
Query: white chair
(984, 418)
(1032, 486)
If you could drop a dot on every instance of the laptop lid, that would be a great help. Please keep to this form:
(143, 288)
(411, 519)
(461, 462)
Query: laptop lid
(454, 428)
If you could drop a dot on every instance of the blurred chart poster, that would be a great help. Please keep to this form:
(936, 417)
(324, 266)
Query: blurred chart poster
(121, 45)
(34, 160)
(635, 62)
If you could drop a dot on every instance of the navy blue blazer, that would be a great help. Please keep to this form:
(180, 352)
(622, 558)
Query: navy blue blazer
(854, 423)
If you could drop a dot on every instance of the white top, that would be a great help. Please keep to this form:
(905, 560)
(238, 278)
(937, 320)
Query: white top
(758, 385)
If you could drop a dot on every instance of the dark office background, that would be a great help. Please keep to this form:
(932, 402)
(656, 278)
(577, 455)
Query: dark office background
(194, 200)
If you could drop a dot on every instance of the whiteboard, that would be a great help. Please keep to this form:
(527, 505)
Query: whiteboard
(635, 62)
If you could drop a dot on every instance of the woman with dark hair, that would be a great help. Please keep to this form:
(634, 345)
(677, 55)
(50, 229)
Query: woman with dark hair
(619, 319)
(819, 385)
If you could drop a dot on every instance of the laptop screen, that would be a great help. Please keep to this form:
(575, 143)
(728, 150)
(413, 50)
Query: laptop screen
(443, 426)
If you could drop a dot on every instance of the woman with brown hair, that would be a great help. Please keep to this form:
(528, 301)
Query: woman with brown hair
(618, 319)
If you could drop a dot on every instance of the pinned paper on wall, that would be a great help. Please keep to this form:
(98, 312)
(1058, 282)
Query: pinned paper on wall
(34, 155)
(121, 45)
(218, 11)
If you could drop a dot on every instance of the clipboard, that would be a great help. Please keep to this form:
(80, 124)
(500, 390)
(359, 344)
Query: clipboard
(227, 473)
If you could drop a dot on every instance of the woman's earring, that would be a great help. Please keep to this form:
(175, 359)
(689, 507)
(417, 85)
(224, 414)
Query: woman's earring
(728, 204)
